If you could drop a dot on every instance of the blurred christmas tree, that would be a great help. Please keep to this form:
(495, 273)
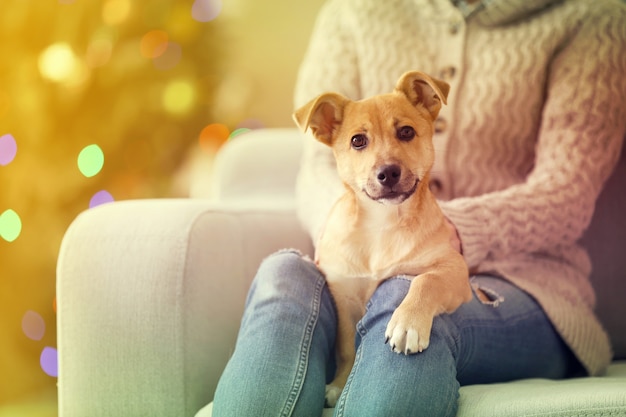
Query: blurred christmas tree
(135, 79)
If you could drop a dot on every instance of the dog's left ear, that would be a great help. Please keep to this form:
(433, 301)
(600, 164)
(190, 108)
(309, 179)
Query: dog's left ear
(419, 88)
(323, 115)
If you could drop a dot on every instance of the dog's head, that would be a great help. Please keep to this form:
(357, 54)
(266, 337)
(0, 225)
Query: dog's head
(383, 144)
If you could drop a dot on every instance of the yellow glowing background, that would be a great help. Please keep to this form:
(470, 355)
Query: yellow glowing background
(106, 100)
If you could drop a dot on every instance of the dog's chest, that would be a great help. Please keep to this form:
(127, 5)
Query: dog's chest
(374, 251)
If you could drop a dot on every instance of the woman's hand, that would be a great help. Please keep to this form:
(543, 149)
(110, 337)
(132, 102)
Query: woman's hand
(455, 239)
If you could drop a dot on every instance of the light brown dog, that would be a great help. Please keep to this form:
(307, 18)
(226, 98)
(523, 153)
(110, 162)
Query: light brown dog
(387, 223)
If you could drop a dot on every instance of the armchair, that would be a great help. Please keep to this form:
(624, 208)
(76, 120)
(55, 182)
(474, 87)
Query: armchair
(150, 294)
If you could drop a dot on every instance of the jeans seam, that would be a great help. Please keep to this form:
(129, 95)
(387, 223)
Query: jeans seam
(304, 351)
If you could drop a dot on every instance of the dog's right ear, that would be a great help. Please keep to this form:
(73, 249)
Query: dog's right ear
(323, 115)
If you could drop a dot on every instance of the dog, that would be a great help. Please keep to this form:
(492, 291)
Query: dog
(387, 223)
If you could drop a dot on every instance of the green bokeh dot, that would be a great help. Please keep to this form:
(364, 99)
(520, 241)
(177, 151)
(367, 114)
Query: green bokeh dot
(10, 225)
(238, 132)
(90, 160)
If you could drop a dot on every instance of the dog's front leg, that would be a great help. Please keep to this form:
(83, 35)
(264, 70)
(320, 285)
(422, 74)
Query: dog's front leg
(440, 290)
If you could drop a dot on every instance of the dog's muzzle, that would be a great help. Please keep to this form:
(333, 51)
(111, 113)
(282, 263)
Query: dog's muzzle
(389, 187)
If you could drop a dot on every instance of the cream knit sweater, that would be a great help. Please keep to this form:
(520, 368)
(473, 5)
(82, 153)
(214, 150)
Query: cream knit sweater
(533, 128)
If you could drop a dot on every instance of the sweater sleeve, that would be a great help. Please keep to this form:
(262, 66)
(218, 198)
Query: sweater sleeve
(579, 143)
(330, 64)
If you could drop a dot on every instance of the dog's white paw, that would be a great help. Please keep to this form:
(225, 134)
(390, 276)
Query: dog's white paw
(332, 395)
(408, 336)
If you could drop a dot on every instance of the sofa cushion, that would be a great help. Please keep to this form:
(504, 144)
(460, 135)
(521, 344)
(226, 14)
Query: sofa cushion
(589, 397)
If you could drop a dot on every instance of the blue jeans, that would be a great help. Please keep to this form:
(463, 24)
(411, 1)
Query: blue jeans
(285, 349)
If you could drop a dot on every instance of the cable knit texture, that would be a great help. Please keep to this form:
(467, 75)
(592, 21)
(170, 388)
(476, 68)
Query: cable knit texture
(533, 129)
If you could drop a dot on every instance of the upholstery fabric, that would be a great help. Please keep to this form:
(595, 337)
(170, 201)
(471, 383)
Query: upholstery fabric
(579, 397)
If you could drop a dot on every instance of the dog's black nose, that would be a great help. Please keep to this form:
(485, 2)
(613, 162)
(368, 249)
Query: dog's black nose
(389, 175)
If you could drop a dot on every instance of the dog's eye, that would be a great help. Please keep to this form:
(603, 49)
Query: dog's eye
(359, 141)
(406, 133)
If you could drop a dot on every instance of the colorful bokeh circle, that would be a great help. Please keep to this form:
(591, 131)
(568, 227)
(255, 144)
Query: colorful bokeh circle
(206, 10)
(90, 160)
(8, 149)
(10, 225)
(101, 197)
(179, 96)
(33, 325)
(213, 136)
(49, 361)
(169, 58)
(154, 43)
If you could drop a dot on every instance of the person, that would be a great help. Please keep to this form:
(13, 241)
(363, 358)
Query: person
(534, 126)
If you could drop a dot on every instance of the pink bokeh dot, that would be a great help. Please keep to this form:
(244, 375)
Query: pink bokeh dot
(169, 58)
(8, 149)
(33, 325)
(206, 10)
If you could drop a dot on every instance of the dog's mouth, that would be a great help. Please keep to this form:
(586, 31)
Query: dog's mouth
(390, 195)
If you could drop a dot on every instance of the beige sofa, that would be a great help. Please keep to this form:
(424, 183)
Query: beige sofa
(150, 294)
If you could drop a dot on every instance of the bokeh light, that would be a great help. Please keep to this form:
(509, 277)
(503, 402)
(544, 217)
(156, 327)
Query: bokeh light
(239, 131)
(90, 160)
(101, 197)
(169, 58)
(213, 136)
(58, 62)
(98, 53)
(80, 73)
(33, 325)
(115, 12)
(49, 361)
(251, 124)
(10, 225)
(179, 97)
(206, 10)
(8, 149)
(153, 43)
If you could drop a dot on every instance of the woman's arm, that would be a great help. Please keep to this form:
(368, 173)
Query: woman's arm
(579, 143)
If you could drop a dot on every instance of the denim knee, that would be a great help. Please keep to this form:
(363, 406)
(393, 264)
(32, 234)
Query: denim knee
(286, 262)
(285, 269)
(285, 339)
(385, 383)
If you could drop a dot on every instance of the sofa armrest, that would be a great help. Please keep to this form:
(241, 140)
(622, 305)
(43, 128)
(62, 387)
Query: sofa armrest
(150, 295)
